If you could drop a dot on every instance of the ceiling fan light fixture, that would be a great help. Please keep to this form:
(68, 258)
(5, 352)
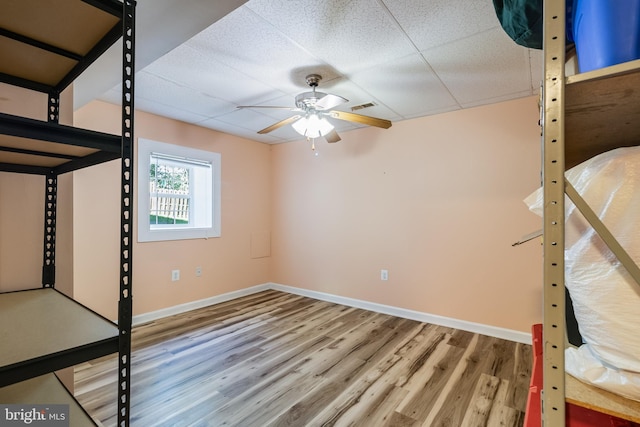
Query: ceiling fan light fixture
(313, 107)
(312, 126)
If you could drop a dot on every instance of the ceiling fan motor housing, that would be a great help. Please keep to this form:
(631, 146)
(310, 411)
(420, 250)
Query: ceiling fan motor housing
(313, 79)
(308, 100)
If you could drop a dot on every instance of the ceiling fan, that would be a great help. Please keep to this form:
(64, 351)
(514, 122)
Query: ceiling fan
(314, 108)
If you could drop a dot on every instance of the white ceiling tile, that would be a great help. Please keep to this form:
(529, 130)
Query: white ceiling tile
(112, 96)
(435, 22)
(408, 57)
(348, 34)
(356, 95)
(193, 69)
(287, 100)
(238, 131)
(253, 119)
(408, 86)
(485, 66)
(496, 99)
(272, 57)
(165, 110)
(161, 25)
(157, 89)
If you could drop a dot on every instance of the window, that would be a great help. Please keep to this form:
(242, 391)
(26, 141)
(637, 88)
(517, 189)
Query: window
(178, 192)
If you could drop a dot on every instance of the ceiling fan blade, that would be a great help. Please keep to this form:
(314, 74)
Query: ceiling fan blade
(269, 106)
(332, 136)
(279, 124)
(330, 101)
(358, 118)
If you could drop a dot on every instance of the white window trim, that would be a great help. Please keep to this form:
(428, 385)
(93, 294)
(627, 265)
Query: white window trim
(145, 234)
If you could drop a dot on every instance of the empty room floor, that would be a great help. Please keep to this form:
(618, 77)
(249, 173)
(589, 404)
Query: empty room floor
(279, 359)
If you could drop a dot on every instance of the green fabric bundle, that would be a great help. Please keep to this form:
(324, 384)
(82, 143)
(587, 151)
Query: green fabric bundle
(522, 20)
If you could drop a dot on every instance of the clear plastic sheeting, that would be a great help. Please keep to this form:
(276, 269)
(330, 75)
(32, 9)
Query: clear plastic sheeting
(605, 297)
(586, 366)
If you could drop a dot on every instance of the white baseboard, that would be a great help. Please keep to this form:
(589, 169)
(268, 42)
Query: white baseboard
(183, 308)
(492, 331)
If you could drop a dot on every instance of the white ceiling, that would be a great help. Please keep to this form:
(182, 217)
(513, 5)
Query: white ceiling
(411, 58)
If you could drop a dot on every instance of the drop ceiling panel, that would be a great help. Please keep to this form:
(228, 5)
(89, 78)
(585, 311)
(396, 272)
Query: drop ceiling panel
(272, 58)
(156, 89)
(408, 57)
(192, 68)
(234, 129)
(287, 101)
(154, 107)
(484, 66)
(356, 95)
(408, 86)
(350, 34)
(161, 25)
(436, 22)
(165, 110)
(253, 119)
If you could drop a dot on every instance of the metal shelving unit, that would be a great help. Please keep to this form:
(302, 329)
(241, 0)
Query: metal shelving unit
(44, 46)
(583, 115)
(553, 404)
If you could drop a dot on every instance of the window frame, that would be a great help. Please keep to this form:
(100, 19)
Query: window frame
(147, 147)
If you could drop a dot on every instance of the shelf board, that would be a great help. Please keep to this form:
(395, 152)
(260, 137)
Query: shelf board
(46, 390)
(46, 45)
(601, 114)
(43, 330)
(587, 396)
(39, 144)
(601, 109)
(32, 129)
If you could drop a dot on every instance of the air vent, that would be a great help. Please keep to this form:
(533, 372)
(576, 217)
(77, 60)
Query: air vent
(363, 106)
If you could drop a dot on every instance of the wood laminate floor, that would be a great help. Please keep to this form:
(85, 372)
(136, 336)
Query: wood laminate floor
(277, 359)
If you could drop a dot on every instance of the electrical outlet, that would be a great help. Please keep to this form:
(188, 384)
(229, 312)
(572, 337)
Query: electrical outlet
(384, 274)
(198, 271)
(175, 275)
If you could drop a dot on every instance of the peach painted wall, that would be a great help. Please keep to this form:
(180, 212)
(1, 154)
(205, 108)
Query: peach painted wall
(227, 264)
(21, 231)
(22, 206)
(437, 201)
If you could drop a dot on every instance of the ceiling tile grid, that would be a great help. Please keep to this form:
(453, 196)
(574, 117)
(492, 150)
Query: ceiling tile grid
(349, 34)
(409, 58)
(248, 44)
(483, 66)
(437, 22)
(408, 86)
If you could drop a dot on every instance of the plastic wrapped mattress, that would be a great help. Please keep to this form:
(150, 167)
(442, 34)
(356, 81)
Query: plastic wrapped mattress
(606, 299)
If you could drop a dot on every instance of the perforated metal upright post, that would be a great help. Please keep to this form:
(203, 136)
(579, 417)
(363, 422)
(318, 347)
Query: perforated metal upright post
(50, 205)
(553, 400)
(53, 107)
(125, 304)
(49, 245)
